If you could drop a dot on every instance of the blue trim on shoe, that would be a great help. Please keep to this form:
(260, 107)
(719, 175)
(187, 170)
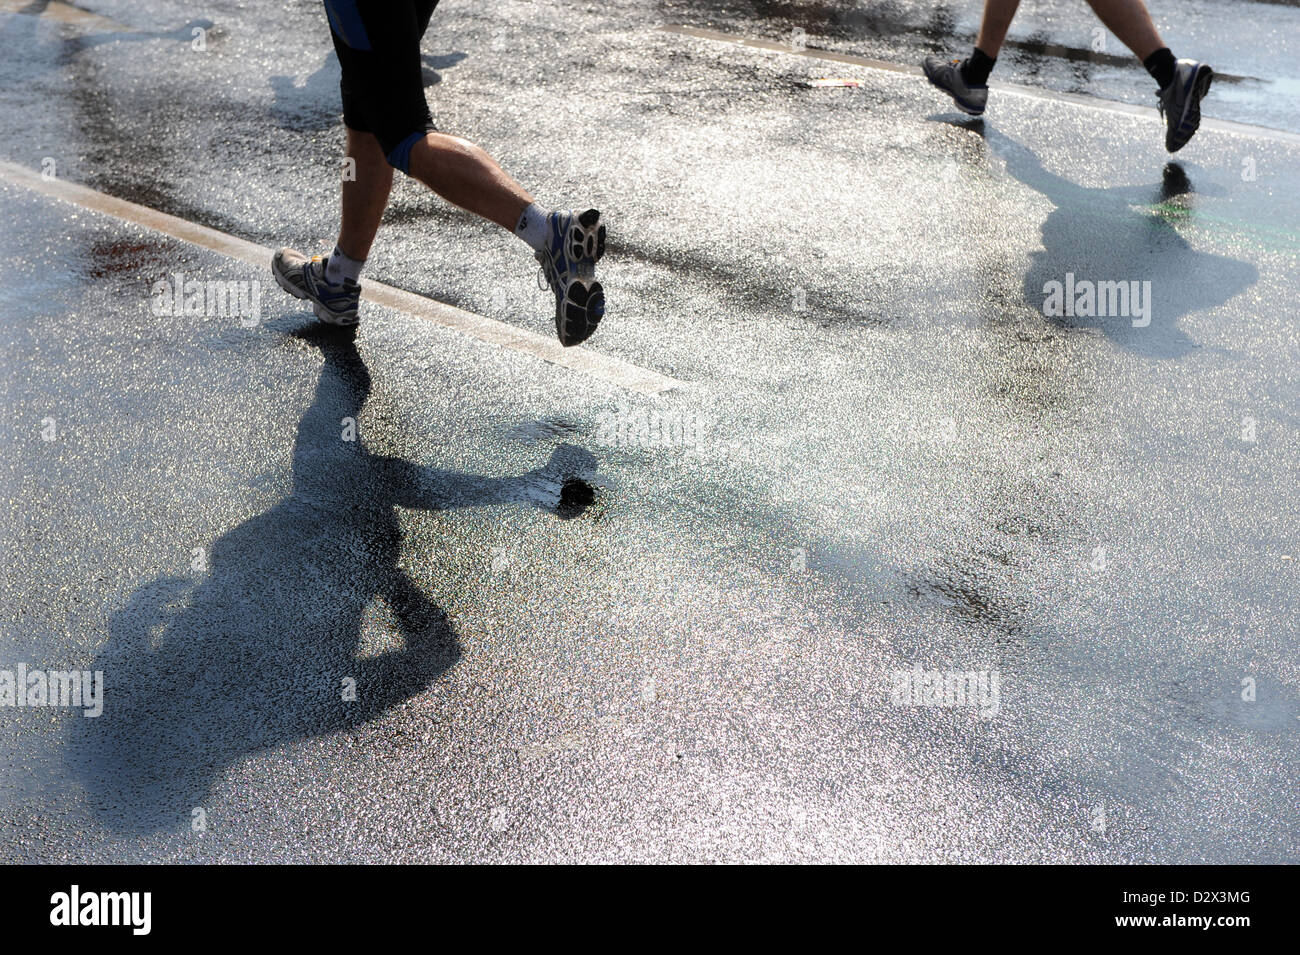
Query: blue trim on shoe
(322, 290)
(556, 246)
(400, 157)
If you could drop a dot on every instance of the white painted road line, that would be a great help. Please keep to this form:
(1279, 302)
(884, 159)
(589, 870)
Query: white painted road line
(616, 371)
(1110, 106)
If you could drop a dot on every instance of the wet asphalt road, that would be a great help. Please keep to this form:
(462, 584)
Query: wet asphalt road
(572, 639)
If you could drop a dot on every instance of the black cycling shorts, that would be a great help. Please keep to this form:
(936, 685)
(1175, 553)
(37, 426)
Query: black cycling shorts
(378, 43)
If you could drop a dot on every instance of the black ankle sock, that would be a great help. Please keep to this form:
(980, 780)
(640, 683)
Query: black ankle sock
(1162, 66)
(975, 71)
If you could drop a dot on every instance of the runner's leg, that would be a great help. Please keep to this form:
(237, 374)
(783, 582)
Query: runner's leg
(466, 176)
(366, 185)
(1182, 84)
(378, 45)
(1130, 21)
(994, 25)
(966, 81)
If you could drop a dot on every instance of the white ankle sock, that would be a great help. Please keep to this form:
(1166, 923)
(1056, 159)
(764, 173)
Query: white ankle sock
(340, 267)
(534, 227)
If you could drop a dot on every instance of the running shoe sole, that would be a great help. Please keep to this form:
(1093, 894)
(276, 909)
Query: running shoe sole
(582, 308)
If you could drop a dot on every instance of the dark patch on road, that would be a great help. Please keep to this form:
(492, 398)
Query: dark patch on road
(132, 257)
(575, 497)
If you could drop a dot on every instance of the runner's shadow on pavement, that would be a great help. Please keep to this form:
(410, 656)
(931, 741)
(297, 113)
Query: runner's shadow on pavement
(1122, 234)
(22, 32)
(1125, 234)
(260, 652)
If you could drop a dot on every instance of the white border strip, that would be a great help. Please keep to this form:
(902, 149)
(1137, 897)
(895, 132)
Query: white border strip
(1078, 99)
(614, 370)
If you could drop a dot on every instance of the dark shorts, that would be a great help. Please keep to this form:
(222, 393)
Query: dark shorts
(378, 43)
